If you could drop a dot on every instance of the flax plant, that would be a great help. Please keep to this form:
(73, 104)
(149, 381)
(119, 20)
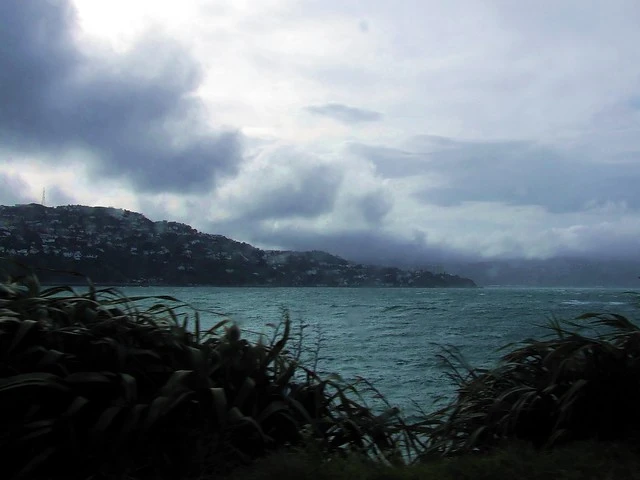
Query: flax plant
(577, 385)
(99, 385)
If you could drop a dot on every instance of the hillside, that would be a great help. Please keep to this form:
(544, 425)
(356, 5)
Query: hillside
(122, 247)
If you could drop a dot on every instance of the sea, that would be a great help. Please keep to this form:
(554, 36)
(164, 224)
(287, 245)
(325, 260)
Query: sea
(395, 337)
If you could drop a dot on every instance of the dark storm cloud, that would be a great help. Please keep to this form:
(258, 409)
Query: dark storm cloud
(133, 112)
(344, 113)
(514, 173)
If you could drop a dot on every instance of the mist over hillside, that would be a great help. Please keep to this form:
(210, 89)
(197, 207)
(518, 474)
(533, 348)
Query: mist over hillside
(555, 272)
(561, 271)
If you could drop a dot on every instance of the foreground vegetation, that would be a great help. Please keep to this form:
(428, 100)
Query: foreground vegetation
(585, 460)
(98, 385)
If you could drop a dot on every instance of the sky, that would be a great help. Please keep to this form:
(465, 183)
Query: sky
(405, 131)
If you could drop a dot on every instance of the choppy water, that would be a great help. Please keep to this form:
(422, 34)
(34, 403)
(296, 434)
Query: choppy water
(392, 336)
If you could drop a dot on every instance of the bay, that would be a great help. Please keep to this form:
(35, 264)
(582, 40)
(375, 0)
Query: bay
(392, 336)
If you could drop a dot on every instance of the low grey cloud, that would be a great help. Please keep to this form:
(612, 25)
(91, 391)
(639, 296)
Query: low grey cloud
(510, 172)
(374, 206)
(13, 189)
(308, 194)
(367, 246)
(57, 196)
(391, 162)
(281, 182)
(134, 112)
(363, 25)
(344, 113)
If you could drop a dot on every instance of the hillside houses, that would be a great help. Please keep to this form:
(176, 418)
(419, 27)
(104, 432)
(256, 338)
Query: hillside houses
(119, 246)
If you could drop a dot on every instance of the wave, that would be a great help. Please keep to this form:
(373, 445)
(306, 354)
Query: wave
(407, 308)
(586, 302)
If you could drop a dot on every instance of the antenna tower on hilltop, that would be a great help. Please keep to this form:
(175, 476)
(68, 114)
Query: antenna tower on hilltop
(43, 203)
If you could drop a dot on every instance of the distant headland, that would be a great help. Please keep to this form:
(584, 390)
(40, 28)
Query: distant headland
(116, 246)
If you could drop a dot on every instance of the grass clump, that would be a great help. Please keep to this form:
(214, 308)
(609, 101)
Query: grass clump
(95, 383)
(571, 387)
(99, 385)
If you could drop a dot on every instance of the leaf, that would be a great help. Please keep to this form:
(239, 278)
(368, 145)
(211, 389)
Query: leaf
(26, 327)
(35, 462)
(35, 379)
(297, 406)
(271, 409)
(105, 421)
(87, 377)
(618, 322)
(213, 329)
(280, 344)
(56, 291)
(196, 360)
(176, 382)
(234, 415)
(557, 434)
(155, 411)
(37, 429)
(570, 396)
(250, 421)
(33, 285)
(176, 401)
(92, 290)
(144, 355)
(524, 402)
(247, 388)
(8, 325)
(51, 357)
(129, 387)
(131, 421)
(285, 377)
(76, 405)
(220, 403)
(197, 328)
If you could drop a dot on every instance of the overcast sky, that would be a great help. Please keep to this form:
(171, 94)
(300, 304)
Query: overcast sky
(382, 130)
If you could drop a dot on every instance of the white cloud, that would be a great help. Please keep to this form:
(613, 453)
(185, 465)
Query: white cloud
(495, 128)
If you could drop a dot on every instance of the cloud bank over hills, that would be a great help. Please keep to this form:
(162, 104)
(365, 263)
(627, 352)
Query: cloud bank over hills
(419, 133)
